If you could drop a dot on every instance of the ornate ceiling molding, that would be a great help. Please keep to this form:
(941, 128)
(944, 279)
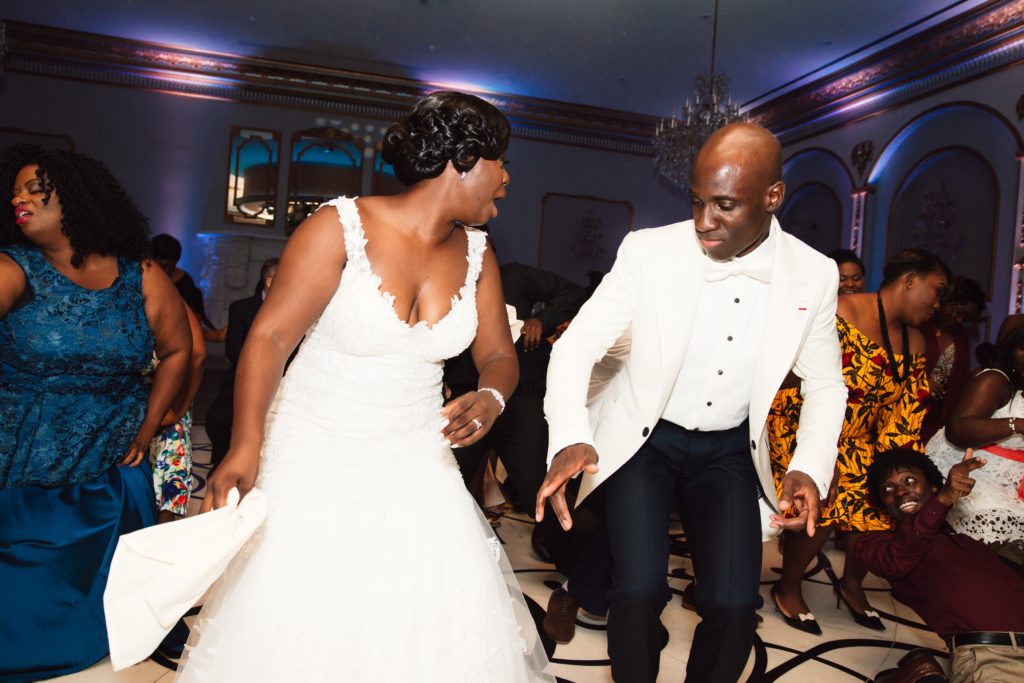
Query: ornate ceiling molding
(985, 39)
(48, 51)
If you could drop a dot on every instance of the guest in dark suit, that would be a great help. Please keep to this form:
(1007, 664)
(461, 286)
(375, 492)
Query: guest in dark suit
(520, 435)
(241, 313)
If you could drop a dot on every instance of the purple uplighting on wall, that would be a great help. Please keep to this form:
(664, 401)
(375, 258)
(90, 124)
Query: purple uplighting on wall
(468, 84)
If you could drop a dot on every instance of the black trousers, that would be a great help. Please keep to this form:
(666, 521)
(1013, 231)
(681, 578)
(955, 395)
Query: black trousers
(712, 476)
(520, 439)
(581, 554)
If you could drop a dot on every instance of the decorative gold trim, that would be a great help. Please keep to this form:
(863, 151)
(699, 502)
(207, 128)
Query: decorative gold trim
(74, 55)
(986, 38)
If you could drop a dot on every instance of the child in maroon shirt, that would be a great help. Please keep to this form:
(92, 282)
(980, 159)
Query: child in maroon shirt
(955, 583)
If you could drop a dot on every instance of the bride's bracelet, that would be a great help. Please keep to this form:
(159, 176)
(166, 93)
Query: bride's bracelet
(1013, 425)
(497, 397)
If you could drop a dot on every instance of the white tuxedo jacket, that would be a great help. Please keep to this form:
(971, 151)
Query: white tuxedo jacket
(652, 291)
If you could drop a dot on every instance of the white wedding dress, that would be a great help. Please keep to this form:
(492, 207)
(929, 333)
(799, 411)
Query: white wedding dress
(375, 563)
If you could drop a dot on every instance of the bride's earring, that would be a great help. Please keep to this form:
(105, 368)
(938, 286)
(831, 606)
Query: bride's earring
(462, 176)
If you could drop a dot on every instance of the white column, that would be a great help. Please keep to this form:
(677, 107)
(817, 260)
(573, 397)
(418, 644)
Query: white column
(860, 207)
(1016, 283)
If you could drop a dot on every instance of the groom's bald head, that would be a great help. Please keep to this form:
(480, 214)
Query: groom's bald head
(736, 185)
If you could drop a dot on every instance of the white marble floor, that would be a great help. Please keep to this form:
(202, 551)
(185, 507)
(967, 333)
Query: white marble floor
(846, 651)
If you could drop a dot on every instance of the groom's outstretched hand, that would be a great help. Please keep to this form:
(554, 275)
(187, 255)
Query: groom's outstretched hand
(800, 494)
(569, 462)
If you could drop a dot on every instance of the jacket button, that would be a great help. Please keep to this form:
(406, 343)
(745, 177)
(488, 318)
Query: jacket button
(646, 431)
(753, 445)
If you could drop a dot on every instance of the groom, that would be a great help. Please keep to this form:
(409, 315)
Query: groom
(721, 309)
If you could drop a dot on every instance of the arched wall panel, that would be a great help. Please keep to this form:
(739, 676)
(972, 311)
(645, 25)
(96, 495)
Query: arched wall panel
(818, 166)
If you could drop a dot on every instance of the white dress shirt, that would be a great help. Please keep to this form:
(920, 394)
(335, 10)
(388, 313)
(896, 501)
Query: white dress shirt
(712, 390)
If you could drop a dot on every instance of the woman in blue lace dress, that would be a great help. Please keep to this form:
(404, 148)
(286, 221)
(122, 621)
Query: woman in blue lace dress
(81, 313)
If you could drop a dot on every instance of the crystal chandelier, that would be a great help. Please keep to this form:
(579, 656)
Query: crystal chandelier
(677, 142)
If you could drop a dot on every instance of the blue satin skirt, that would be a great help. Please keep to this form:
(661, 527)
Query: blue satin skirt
(55, 550)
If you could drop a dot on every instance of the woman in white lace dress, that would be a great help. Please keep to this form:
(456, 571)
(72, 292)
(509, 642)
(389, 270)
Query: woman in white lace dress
(374, 563)
(989, 417)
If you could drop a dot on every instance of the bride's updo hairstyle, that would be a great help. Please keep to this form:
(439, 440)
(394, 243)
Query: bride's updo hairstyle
(444, 126)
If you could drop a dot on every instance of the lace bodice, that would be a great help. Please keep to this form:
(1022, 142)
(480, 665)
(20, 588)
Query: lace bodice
(361, 321)
(72, 394)
(366, 372)
(994, 512)
(63, 330)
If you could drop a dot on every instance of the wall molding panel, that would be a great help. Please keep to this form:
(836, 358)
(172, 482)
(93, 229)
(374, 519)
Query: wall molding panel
(74, 55)
(978, 42)
(985, 39)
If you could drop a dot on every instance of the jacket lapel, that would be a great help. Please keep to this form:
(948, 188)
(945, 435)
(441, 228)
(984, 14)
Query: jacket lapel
(788, 309)
(677, 303)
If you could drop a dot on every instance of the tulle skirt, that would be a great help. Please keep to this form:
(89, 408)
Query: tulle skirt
(373, 565)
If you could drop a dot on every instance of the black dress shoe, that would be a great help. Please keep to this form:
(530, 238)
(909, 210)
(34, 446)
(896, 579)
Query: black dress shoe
(689, 597)
(560, 619)
(917, 666)
(802, 622)
(869, 619)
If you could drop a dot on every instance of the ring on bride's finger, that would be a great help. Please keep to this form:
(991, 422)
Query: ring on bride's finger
(478, 423)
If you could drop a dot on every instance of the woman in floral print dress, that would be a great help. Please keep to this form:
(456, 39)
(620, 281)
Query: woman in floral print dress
(170, 451)
(884, 368)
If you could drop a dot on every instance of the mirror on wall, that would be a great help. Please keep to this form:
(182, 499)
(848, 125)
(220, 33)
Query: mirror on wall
(325, 163)
(252, 176)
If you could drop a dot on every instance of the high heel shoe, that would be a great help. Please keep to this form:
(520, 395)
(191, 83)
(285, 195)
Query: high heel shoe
(802, 622)
(869, 619)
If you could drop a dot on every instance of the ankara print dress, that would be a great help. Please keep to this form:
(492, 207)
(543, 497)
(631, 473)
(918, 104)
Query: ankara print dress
(881, 414)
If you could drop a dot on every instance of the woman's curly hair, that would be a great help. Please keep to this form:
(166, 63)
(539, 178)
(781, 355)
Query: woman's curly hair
(887, 462)
(444, 126)
(98, 215)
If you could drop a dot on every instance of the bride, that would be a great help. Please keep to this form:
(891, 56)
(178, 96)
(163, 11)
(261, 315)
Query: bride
(374, 563)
